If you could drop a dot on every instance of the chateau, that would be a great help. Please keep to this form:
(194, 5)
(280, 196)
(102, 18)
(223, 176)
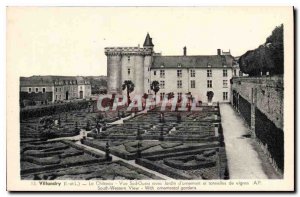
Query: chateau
(182, 74)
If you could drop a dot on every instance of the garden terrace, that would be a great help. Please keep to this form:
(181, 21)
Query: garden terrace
(117, 170)
(197, 126)
(64, 124)
(206, 163)
(127, 149)
(41, 156)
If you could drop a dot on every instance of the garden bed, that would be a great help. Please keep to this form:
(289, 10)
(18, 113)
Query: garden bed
(117, 170)
(40, 156)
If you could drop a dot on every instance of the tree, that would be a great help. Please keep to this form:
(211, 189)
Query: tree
(107, 151)
(59, 121)
(155, 87)
(139, 152)
(170, 95)
(76, 127)
(88, 127)
(210, 95)
(178, 117)
(268, 57)
(138, 134)
(129, 86)
(161, 136)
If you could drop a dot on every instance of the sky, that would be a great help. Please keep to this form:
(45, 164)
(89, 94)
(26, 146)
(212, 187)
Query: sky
(71, 40)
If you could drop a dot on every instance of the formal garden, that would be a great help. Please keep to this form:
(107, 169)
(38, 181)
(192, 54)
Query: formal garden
(120, 145)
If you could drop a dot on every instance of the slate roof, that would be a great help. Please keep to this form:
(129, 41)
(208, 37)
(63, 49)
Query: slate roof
(36, 81)
(52, 81)
(199, 61)
(148, 41)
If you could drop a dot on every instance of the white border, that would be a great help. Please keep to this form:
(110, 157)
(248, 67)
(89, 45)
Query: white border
(5, 3)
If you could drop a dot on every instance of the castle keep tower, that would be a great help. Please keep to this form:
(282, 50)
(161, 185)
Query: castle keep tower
(129, 63)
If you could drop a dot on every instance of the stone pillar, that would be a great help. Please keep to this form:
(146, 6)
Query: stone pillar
(253, 106)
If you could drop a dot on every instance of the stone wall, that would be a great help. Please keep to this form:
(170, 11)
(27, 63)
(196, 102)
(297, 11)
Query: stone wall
(259, 100)
(266, 92)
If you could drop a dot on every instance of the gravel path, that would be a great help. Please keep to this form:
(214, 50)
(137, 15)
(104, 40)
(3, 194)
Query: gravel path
(243, 161)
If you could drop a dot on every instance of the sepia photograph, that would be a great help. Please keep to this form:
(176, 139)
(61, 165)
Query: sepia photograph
(150, 98)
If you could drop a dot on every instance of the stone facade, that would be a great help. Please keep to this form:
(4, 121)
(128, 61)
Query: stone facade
(178, 74)
(50, 89)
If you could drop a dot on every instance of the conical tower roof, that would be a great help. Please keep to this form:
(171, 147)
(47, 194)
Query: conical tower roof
(148, 41)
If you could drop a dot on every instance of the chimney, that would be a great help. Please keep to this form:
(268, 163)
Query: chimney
(184, 51)
(219, 51)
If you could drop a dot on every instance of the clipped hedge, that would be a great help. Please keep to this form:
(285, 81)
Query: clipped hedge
(119, 153)
(41, 161)
(189, 165)
(57, 166)
(82, 148)
(153, 176)
(168, 171)
(175, 154)
(53, 109)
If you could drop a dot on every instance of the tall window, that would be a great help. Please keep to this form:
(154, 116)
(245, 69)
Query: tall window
(193, 73)
(209, 83)
(29, 90)
(162, 95)
(179, 73)
(234, 72)
(193, 84)
(179, 94)
(36, 89)
(209, 73)
(128, 58)
(225, 96)
(162, 84)
(179, 84)
(225, 83)
(44, 90)
(154, 72)
(162, 73)
(225, 73)
(128, 71)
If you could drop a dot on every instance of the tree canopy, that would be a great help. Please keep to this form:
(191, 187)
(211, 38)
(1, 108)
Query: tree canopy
(267, 57)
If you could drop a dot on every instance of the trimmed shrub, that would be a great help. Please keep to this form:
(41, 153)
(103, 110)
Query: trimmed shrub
(171, 172)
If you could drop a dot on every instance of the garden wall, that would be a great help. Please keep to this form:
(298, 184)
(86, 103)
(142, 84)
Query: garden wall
(259, 100)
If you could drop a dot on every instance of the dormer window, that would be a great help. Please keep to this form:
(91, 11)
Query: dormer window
(162, 65)
(179, 65)
(208, 65)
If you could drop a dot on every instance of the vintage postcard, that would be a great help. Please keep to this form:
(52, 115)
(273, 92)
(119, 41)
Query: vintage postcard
(150, 98)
